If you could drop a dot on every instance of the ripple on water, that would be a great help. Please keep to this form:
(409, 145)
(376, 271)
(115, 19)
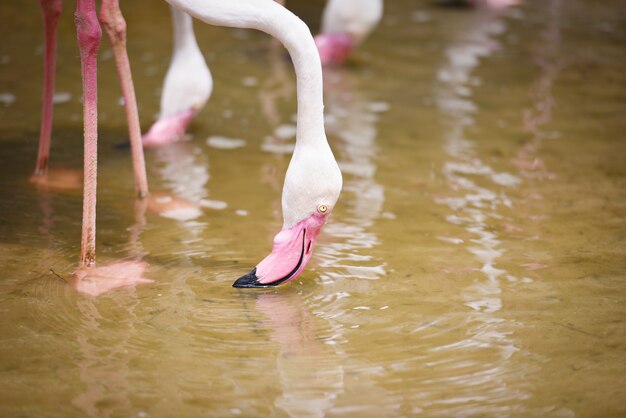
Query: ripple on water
(7, 98)
(222, 142)
(417, 316)
(285, 131)
(278, 148)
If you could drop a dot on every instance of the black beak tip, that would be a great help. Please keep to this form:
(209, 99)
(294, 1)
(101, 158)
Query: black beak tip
(249, 281)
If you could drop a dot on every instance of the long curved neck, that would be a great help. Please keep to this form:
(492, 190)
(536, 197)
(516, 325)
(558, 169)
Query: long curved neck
(183, 30)
(293, 33)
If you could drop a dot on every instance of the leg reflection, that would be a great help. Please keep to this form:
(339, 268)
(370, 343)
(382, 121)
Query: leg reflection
(104, 347)
(95, 281)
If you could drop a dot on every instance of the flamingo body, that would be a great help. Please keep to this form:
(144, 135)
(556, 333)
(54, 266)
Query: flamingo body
(345, 24)
(187, 87)
(313, 180)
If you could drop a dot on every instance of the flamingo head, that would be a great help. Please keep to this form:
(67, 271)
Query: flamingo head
(497, 4)
(312, 187)
(187, 88)
(334, 48)
(169, 129)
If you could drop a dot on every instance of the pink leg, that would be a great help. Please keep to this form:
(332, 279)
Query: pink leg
(51, 11)
(115, 27)
(89, 35)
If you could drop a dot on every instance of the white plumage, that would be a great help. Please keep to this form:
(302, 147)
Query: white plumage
(313, 177)
(354, 17)
(188, 84)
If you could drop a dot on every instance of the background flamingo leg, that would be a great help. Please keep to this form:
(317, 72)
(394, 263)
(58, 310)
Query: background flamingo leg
(51, 10)
(115, 27)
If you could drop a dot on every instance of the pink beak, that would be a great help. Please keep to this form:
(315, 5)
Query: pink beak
(497, 4)
(168, 130)
(292, 251)
(334, 48)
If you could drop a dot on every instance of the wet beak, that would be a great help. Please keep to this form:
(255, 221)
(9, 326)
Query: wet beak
(293, 248)
(250, 281)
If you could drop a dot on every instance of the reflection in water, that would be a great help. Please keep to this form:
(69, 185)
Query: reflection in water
(104, 359)
(184, 169)
(473, 208)
(47, 210)
(310, 368)
(100, 279)
(549, 62)
(311, 373)
(135, 246)
(104, 349)
(351, 119)
(417, 342)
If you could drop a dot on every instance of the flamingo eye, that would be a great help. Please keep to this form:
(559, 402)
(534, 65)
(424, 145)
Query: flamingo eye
(322, 208)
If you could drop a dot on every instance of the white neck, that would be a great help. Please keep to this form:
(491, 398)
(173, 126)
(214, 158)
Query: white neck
(188, 83)
(293, 33)
(183, 30)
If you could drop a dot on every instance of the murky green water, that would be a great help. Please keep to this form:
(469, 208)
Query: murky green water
(475, 265)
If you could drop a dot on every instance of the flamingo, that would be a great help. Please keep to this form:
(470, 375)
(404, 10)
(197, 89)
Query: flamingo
(187, 87)
(493, 4)
(345, 24)
(313, 180)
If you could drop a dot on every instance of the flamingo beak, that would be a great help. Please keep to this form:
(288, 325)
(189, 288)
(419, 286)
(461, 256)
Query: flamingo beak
(293, 248)
(169, 129)
(334, 48)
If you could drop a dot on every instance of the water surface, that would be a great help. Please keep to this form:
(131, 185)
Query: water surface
(474, 266)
